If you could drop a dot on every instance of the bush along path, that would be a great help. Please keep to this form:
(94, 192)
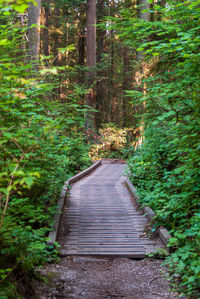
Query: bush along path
(99, 223)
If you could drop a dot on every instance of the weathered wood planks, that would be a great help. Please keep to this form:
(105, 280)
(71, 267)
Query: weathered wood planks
(100, 219)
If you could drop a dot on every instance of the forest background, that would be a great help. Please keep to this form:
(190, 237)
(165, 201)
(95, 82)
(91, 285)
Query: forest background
(126, 88)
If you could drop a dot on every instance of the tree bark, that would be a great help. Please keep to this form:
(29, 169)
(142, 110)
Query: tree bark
(100, 94)
(91, 62)
(143, 10)
(81, 45)
(56, 36)
(34, 33)
(23, 44)
(162, 4)
(45, 29)
(125, 84)
(110, 106)
(143, 15)
(110, 116)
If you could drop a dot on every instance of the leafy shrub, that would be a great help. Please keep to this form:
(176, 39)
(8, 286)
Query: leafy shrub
(111, 142)
(166, 167)
(41, 146)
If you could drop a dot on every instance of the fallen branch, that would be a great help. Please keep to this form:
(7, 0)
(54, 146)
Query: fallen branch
(152, 292)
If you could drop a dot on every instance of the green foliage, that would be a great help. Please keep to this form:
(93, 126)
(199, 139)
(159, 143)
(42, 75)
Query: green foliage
(41, 146)
(166, 167)
(110, 143)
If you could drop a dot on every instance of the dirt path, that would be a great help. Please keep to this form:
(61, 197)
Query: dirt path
(98, 278)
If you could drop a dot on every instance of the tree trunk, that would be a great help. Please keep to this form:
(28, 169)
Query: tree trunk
(23, 44)
(110, 116)
(125, 84)
(100, 94)
(162, 4)
(110, 106)
(143, 10)
(56, 36)
(143, 15)
(34, 33)
(81, 45)
(45, 29)
(91, 62)
(151, 6)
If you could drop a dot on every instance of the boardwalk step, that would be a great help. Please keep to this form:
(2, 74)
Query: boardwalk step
(99, 218)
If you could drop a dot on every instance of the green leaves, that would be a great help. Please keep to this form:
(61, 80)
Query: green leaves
(41, 145)
(21, 5)
(166, 167)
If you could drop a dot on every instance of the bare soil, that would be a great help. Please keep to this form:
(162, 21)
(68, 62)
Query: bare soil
(96, 278)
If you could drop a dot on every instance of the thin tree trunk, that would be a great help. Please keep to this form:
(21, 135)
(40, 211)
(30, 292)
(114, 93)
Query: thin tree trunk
(81, 45)
(110, 113)
(23, 44)
(100, 48)
(34, 32)
(144, 14)
(125, 84)
(151, 6)
(111, 74)
(91, 61)
(162, 4)
(56, 44)
(56, 36)
(45, 29)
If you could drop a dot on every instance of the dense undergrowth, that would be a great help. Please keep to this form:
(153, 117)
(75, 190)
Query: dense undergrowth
(110, 142)
(41, 145)
(166, 168)
(42, 142)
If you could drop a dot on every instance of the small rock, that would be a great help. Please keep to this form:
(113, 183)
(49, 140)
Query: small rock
(83, 293)
(68, 289)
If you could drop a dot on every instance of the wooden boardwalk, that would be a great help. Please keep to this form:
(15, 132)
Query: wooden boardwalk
(99, 218)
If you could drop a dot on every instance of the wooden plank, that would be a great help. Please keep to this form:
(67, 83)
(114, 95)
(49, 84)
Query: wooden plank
(101, 220)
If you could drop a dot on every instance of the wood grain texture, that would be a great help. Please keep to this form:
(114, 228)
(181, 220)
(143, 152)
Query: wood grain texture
(99, 218)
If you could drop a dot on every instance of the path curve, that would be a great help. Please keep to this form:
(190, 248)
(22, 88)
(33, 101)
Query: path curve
(99, 218)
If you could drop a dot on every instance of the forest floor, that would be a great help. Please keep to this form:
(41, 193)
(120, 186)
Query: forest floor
(98, 278)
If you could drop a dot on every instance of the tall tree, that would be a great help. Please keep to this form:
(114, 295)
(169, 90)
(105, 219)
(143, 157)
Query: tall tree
(91, 61)
(143, 14)
(125, 84)
(81, 43)
(111, 64)
(100, 86)
(45, 29)
(34, 32)
(56, 34)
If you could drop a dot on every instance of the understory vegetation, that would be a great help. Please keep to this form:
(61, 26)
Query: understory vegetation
(166, 167)
(41, 145)
(110, 142)
(138, 100)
